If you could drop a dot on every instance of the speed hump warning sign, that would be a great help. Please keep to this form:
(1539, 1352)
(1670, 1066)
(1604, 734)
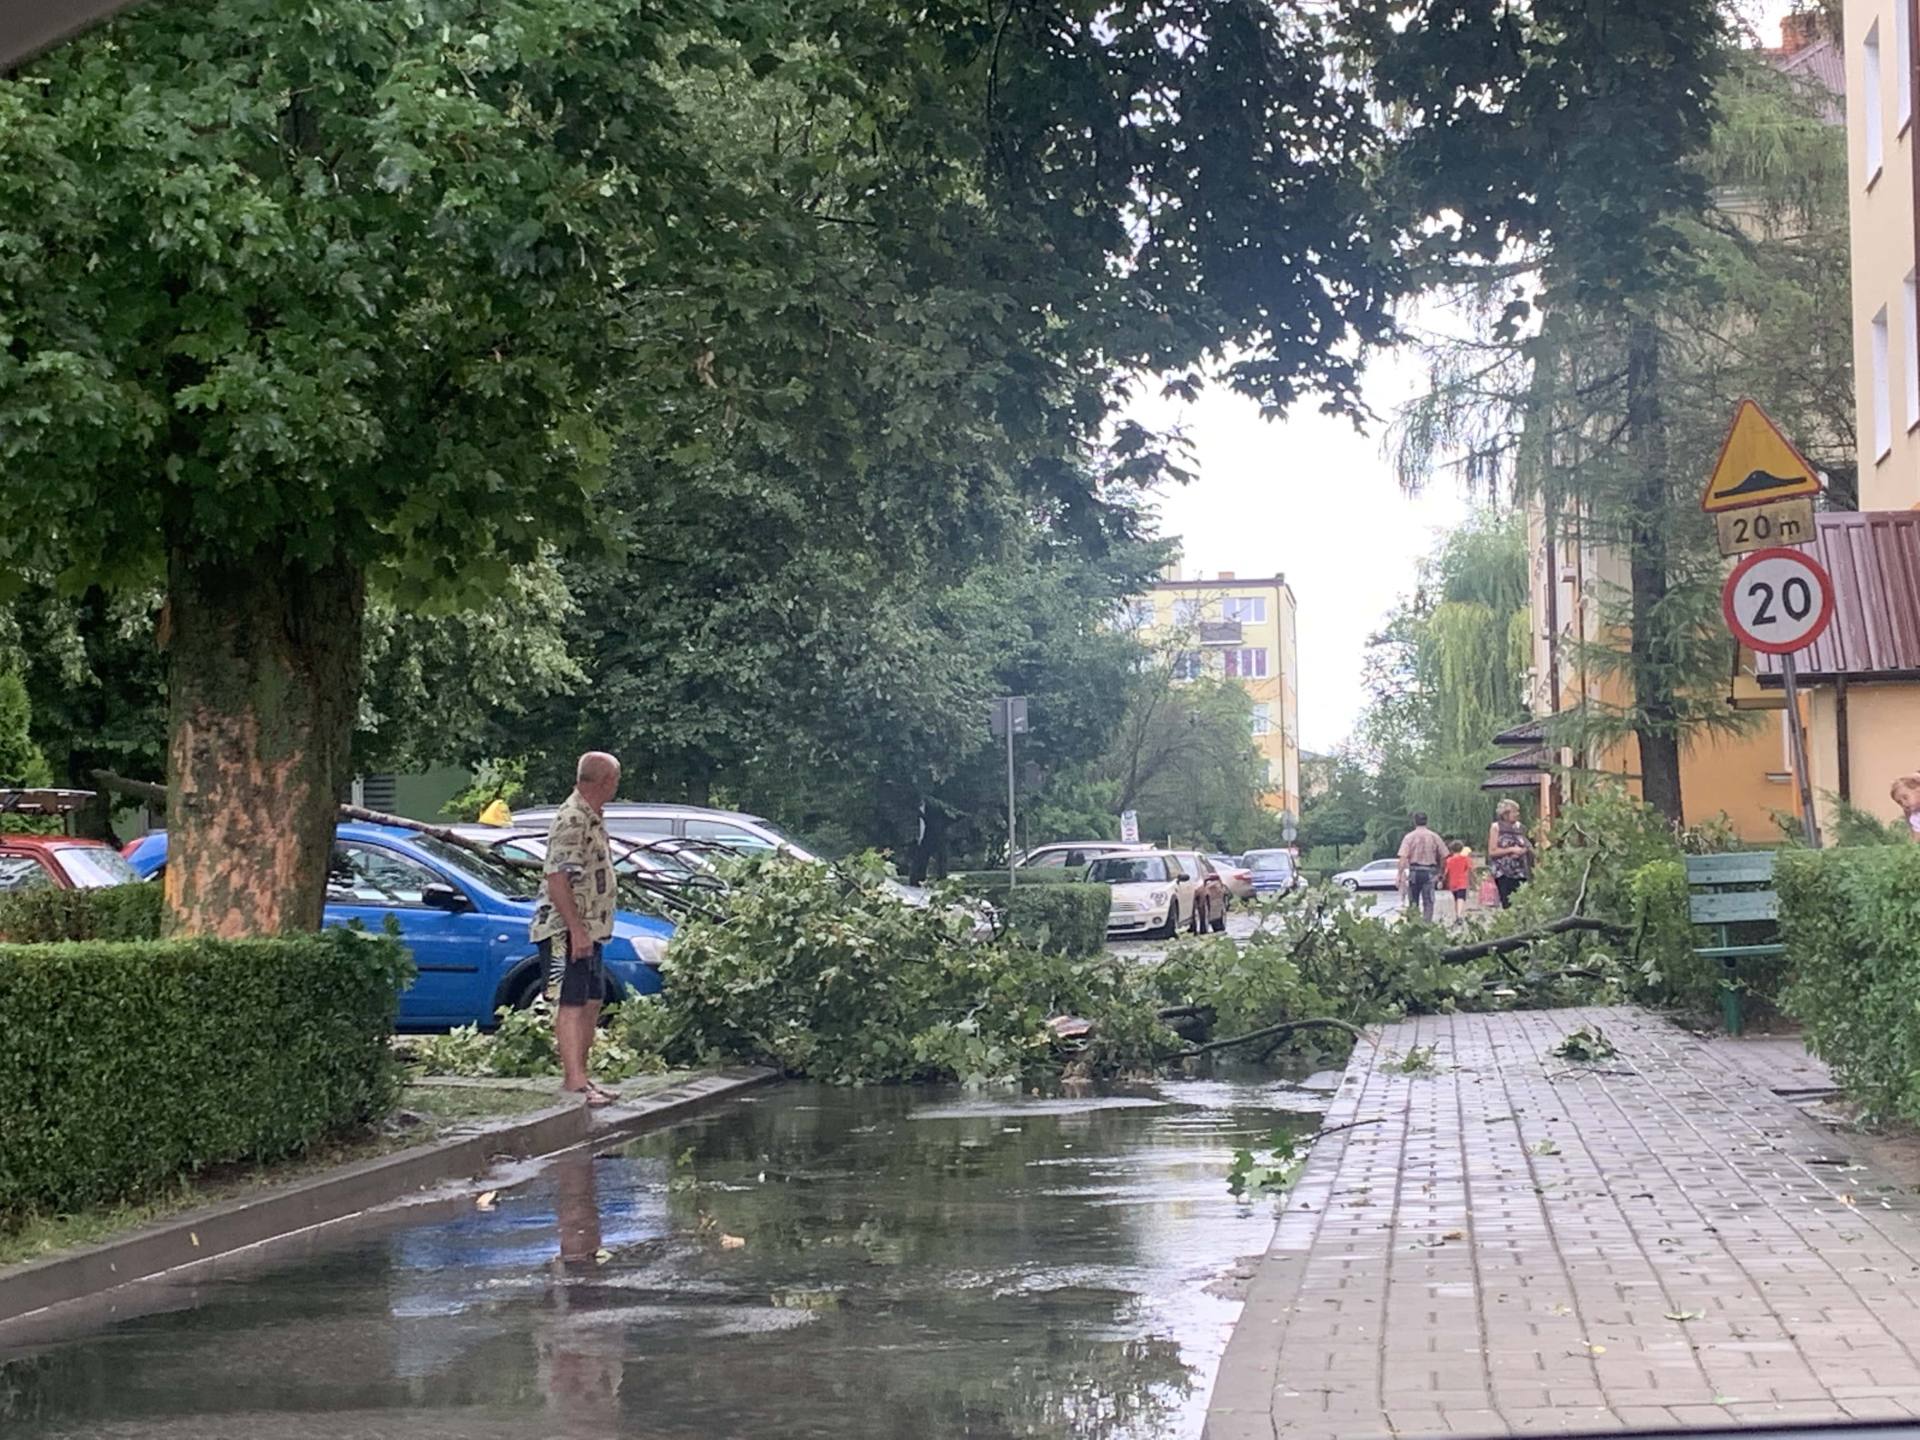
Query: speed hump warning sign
(1778, 601)
(1757, 464)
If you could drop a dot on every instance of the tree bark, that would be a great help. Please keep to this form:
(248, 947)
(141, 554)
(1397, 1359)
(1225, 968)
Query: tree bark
(1656, 718)
(263, 678)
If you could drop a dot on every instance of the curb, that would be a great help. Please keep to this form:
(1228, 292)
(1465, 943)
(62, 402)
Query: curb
(199, 1236)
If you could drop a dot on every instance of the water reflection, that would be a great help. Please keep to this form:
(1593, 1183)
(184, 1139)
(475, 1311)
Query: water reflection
(815, 1263)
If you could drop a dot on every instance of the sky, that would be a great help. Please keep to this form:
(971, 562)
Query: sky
(1310, 498)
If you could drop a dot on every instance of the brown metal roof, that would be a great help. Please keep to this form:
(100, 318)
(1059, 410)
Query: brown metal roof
(1874, 559)
(1527, 732)
(1533, 758)
(1513, 782)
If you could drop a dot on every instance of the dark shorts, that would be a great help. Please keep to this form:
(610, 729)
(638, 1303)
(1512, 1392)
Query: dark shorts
(573, 982)
(1460, 895)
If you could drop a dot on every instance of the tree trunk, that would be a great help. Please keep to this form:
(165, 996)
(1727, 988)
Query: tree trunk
(263, 678)
(1656, 719)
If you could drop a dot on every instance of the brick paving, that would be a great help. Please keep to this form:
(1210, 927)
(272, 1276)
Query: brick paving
(1524, 1245)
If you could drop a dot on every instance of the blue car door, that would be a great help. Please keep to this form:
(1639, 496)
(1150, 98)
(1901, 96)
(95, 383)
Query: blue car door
(452, 950)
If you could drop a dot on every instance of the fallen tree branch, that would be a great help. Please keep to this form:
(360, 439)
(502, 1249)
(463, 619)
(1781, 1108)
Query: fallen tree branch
(1565, 923)
(1320, 1135)
(1262, 1034)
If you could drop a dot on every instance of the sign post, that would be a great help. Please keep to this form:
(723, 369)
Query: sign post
(1130, 827)
(1008, 717)
(1780, 601)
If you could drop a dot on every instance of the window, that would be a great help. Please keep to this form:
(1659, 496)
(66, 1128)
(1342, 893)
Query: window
(1247, 664)
(1247, 609)
(369, 875)
(1870, 100)
(94, 867)
(734, 837)
(1189, 664)
(1262, 719)
(1128, 870)
(1911, 354)
(1902, 66)
(1188, 612)
(1882, 389)
(22, 872)
(1135, 614)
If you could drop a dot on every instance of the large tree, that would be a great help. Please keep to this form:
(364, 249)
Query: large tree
(301, 303)
(1607, 414)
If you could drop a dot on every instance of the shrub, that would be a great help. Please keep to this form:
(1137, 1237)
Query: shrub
(126, 1065)
(1062, 913)
(1850, 920)
(118, 912)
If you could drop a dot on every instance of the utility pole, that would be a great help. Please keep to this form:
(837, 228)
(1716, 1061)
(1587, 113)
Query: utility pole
(1008, 717)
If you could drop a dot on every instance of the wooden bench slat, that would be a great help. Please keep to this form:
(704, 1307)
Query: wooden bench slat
(1742, 868)
(1733, 907)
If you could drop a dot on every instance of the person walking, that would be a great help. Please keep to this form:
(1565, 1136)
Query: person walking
(1456, 876)
(1906, 794)
(1509, 851)
(575, 918)
(1422, 853)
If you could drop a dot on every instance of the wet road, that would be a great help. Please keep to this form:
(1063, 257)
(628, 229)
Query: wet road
(811, 1262)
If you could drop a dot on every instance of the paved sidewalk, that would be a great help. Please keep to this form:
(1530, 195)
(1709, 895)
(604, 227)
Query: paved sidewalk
(1525, 1245)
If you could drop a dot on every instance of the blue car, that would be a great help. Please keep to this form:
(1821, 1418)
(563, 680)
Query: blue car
(464, 916)
(1274, 872)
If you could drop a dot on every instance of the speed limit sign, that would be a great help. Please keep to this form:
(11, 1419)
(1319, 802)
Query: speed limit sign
(1777, 601)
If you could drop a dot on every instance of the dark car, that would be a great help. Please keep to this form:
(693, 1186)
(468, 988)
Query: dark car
(1274, 872)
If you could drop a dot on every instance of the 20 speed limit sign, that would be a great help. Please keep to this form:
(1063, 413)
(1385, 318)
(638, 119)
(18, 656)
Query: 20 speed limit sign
(1777, 601)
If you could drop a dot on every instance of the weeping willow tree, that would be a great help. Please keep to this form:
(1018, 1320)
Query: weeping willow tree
(1605, 411)
(1448, 673)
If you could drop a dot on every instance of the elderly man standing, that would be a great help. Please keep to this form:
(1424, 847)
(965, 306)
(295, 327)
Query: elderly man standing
(575, 918)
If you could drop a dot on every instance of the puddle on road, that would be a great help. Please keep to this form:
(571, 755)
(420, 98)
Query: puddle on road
(808, 1263)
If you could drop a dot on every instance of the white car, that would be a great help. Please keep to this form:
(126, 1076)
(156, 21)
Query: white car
(1152, 894)
(1072, 854)
(1374, 875)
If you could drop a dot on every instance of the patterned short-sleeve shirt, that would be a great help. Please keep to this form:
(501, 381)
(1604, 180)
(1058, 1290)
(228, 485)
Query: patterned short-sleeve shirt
(577, 848)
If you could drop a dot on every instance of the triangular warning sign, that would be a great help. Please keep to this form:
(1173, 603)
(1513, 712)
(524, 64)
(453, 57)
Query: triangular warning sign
(1756, 465)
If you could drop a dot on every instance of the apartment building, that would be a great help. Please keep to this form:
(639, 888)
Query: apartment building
(1243, 630)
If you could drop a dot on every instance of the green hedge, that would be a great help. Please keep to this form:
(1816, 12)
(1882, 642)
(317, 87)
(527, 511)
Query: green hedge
(976, 880)
(1850, 919)
(125, 1065)
(1066, 916)
(119, 912)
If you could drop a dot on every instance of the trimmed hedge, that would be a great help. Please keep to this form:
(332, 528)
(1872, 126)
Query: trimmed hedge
(1066, 916)
(126, 1065)
(1850, 919)
(973, 880)
(117, 912)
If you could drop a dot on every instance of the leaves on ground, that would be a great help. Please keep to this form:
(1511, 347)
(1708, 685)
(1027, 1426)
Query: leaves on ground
(1586, 1045)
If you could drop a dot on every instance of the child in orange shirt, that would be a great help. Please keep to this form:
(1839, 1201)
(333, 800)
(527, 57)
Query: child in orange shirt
(1456, 875)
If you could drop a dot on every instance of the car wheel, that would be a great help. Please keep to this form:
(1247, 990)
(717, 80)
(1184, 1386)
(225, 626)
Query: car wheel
(1172, 926)
(1220, 922)
(1352, 886)
(528, 990)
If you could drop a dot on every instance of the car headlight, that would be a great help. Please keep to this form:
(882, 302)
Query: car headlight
(649, 949)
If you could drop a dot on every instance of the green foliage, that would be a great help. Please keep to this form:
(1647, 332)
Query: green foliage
(1585, 1046)
(128, 1064)
(839, 981)
(1669, 973)
(117, 912)
(979, 882)
(1183, 757)
(1419, 1060)
(1854, 826)
(21, 763)
(1063, 916)
(1272, 1173)
(630, 1041)
(1850, 920)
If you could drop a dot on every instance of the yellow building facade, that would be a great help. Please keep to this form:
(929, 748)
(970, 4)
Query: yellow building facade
(1246, 631)
(1881, 173)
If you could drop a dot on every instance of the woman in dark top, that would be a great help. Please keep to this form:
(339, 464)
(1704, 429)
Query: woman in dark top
(1509, 852)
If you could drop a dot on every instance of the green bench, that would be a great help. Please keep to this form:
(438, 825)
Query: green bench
(1713, 899)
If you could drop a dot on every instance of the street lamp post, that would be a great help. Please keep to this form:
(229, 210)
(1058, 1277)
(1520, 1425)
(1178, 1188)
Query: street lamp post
(1008, 716)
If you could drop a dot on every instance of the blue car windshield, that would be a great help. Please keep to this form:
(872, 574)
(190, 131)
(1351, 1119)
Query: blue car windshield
(496, 875)
(1268, 861)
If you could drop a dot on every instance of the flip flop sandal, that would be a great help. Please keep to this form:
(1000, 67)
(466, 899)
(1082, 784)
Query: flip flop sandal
(594, 1098)
(605, 1094)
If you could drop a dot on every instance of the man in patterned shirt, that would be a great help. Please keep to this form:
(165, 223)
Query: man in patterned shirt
(575, 918)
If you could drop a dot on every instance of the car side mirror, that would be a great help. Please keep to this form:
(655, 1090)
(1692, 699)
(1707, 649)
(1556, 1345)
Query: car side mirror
(445, 897)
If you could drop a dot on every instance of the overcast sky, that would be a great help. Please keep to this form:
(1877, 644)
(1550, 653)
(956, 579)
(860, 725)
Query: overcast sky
(1311, 499)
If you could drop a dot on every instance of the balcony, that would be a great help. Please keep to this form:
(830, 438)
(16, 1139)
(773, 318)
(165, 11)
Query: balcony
(1220, 632)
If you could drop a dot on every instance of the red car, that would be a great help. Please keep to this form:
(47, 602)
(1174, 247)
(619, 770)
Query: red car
(32, 862)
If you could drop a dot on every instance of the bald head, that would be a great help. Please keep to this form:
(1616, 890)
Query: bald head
(597, 777)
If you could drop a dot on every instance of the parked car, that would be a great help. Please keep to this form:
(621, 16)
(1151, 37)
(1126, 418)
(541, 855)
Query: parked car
(733, 830)
(1374, 875)
(1210, 895)
(1072, 854)
(55, 862)
(60, 862)
(462, 915)
(1273, 872)
(1152, 894)
(1234, 872)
